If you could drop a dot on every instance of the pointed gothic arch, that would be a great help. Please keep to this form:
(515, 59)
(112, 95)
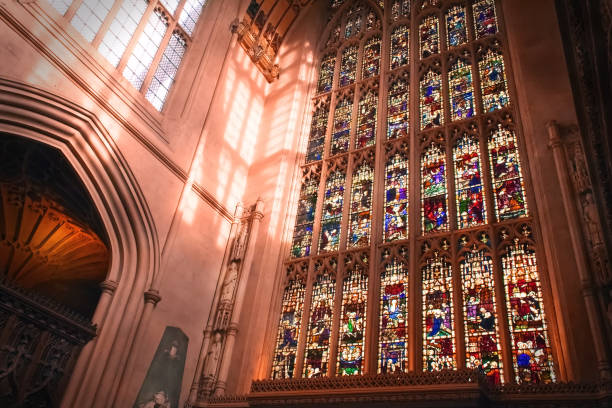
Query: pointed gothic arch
(32, 113)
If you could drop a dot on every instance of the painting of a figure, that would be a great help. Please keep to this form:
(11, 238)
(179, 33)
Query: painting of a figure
(162, 385)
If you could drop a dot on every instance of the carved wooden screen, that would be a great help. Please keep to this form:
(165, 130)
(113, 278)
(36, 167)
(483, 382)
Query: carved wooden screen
(423, 201)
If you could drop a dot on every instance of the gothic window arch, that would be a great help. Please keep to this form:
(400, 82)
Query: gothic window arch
(145, 40)
(423, 227)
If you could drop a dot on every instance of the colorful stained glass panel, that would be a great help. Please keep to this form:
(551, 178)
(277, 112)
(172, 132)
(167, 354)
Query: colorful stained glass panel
(316, 358)
(506, 175)
(461, 91)
(283, 365)
(531, 351)
(302, 234)
(430, 37)
(400, 9)
(398, 112)
(396, 198)
(361, 205)
(438, 332)
(393, 341)
(352, 323)
(483, 350)
(432, 113)
(493, 82)
(366, 121)
(342, 127)
(332, 212)
(434, 190)
(468, 183)
(326, 74)
(371, 58)
(316, 141)
(456, 27)
(400, 42)
(348, 66)
(485, 21)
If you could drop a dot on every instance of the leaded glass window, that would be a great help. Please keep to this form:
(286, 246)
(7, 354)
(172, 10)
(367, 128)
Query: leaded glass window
(132, 36)
(473, 296)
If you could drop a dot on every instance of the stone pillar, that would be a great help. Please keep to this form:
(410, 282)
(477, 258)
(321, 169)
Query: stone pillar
(572, 215)
(232, 329)
(195, 386)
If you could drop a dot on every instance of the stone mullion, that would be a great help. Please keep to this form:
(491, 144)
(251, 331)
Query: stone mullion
(72, 9)
(106, 23)
(414, 203)
(459, 329)
(303, 338)
(377, 208)
(171, 24)
(335, 328)
(316, 229)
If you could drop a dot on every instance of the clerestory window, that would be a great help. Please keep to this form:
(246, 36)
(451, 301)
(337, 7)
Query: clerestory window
(145, 40)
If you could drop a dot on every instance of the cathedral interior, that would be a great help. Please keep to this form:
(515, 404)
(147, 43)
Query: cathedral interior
(305, 203)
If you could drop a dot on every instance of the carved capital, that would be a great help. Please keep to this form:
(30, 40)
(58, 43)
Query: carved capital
(109, 286)
(232, 329)
(152, 296)
(234, 25)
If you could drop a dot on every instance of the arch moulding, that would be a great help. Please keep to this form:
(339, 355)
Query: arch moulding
(121, 313)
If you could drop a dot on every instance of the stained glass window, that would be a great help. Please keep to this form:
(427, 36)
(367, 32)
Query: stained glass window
(371, 57)
(431, 101)
(453, 53)
(111, 25)
(483, 351)
(361, 204)
(398, 113)
(433, 191)
(493, 82)
(400, 42)
(166, 71)
(366, 121)
(352, 323)
(302, 234)
(456, 27)
(316, 357)
(430, 37)
(396, 198)
(288, 330)
(342, 127)
(332, 212)
(438, 332)
(461, 90)
(485, 21)
(318, 127)
(468, 183)
(400, 9)
(506, 175)
(353, 25)
(393, 342)
(326, 74)
(531, 352)
(348, 66)
(372, 21)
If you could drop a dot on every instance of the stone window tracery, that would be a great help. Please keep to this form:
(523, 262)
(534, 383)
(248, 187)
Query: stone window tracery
(422, 144)
(145, 40)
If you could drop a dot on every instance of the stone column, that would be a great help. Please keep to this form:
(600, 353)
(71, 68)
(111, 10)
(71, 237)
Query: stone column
(572, 215)
(235, 228)
(232, 329)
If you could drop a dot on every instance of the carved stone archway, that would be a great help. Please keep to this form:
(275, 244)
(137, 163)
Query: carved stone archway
(127, 293)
